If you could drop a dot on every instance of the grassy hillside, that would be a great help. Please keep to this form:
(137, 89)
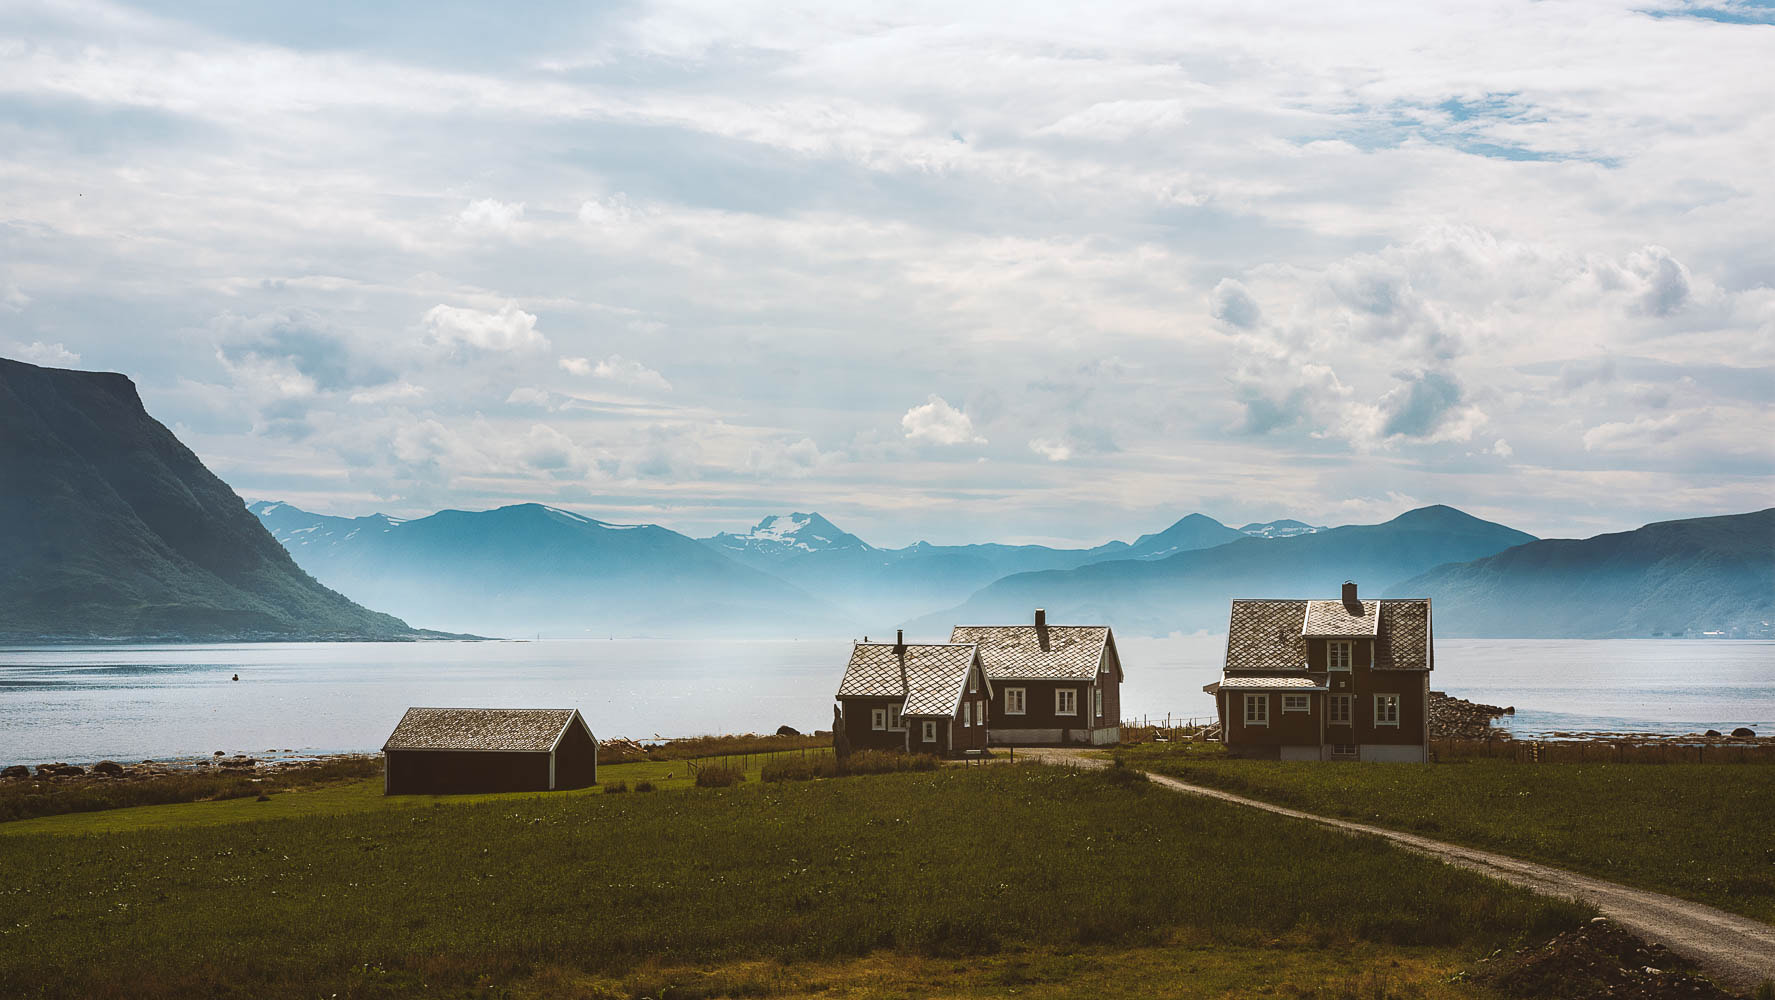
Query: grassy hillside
(555, 894)
(1694, 830)
(111, 528)
(1697, 575)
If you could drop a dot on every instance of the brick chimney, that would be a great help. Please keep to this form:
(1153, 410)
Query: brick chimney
(1351, 604)
(1041, 628)
(900, 653)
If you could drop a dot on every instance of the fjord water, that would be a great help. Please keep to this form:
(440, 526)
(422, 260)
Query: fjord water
(132, 702)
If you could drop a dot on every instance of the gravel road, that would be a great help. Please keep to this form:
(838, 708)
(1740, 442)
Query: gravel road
(1734, 951)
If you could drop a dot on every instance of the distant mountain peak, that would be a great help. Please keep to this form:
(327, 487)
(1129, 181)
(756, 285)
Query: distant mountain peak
(1187, 533)
(794, 532)
(1281, 528)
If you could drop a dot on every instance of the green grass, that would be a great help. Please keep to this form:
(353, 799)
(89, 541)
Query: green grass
(362, 795)
(1701, 831)
(453, 896)
(29, 798)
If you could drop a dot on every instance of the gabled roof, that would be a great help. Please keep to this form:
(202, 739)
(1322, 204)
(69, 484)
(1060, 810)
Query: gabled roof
(1332, 620)
(528, 729)
(936, 675)
(1271, 635)
(1038, 653)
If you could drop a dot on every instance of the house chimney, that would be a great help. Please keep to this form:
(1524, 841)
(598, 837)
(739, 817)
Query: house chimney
(1351, 604)
(1041, 628)
(900, 653)
(1041, 618)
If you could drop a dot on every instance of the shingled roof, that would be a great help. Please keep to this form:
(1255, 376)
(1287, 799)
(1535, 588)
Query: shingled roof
(1039, 652)
(526, 729)
(1268, 635)
(936, 674)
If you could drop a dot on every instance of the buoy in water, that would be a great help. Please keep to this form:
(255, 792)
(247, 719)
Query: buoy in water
(235, 677)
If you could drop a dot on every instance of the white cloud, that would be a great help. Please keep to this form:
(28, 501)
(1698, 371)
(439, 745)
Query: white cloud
(389, 393)
(1051, 449)
(507, 329)
(52, 355)
(936, 422)
(576, 366)
(1502, 449)
(619, 369)
(491, 215)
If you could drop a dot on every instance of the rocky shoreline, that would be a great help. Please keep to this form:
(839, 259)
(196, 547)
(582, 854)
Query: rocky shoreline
(1460, 719)
(217, 763)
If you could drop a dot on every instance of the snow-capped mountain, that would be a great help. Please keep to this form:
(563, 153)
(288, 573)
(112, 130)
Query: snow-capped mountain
(1284, 528)
(787, 534)
(529, 568)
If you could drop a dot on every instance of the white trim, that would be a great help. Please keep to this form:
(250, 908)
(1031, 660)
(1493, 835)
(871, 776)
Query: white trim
(967, 714)
(1066, 696)
(895, 717)
(1348, 716)
(878, 720)
(551, 770)
(1378, 721)
(1097, 702)
(1306, 704)
(1259, 719)
(1332, 647)
(1022, 699)
(928, 732)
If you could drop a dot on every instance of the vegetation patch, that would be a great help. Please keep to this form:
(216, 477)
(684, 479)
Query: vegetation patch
(953, 863)
(789, 767)
(1694, 830)
(24, 798)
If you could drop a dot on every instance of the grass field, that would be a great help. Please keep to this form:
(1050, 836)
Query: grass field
(335, 798)
(555, 895)
(1700, 831)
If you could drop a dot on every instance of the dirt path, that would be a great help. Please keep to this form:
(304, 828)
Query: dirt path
(1734, 951)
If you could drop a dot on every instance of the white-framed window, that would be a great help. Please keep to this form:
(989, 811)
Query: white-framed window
(1343, 749)
(1386, 710)
(967, 713)
(980, 711)
(930, 732)
(1340, 709)
(1257, 710)
(1016, 701)
(1295, 703)
(1339, 654)
(1097, 702)
(1066, 701)
(973, 681)
(878, 718)
(894, 721)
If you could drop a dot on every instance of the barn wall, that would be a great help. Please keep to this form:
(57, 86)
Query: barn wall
(576, 759)
(449, 772)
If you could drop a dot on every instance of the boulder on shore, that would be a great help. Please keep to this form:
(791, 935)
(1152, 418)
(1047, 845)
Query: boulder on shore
(1744, 733)
(109, 768)
(16, 771)
(788, 731)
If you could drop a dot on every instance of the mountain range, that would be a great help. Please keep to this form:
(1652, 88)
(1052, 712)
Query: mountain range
(110, 528)
(528, 569)
(1191, 590)
(1702, 576)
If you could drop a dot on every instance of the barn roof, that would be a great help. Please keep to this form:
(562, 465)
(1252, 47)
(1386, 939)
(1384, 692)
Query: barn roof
(1031, 652)
(1271, 635)
(480, 729)
(935, 675)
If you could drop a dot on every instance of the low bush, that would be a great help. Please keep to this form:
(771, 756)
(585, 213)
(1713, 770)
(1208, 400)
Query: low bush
(718, 776)
(644, 786)
(615, 787)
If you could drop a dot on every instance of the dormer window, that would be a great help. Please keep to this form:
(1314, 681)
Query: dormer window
(1338, 655)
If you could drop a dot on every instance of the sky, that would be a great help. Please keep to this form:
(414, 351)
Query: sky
(953, 271)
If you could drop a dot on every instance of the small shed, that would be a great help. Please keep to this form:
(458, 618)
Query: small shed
(440, 751)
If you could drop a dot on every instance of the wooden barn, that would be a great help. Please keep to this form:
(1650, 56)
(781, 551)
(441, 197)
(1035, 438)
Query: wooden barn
(439, 751)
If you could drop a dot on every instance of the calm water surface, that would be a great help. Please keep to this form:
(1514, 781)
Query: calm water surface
(130, 702)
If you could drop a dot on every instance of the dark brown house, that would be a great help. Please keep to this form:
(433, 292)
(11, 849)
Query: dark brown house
(436, 751)
(919, 698)
(1327, 680)
(1051, 684)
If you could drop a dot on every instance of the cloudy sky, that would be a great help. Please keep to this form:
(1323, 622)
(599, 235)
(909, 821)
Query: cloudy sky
(953, 271)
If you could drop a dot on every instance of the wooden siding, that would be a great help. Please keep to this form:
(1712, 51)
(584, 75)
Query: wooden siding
(452, 772)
